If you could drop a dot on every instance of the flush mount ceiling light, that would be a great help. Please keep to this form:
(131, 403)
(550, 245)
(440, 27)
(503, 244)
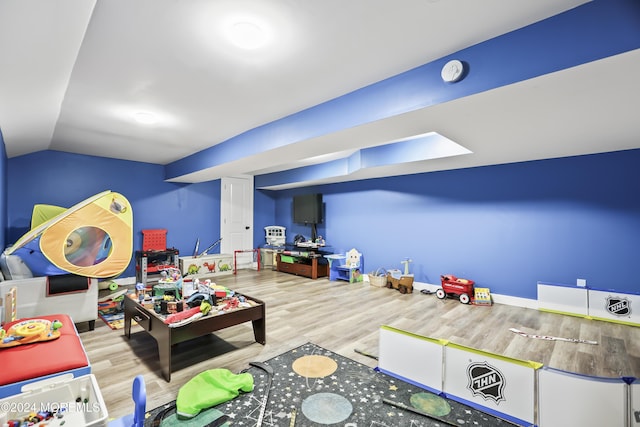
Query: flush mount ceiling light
(247, 35)
(145, 117)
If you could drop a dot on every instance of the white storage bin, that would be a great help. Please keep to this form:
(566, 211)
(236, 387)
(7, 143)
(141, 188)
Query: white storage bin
(77, 400)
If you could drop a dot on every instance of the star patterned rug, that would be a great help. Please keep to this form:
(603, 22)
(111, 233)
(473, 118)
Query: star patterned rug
(312, 387)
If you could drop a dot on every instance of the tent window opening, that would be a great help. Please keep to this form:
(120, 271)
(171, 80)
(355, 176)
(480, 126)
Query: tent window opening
(87, 246)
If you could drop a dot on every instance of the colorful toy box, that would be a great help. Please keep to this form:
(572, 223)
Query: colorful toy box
(206, 266)
(482, 296)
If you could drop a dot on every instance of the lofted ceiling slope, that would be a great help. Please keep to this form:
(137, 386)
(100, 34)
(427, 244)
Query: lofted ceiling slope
(76, 75)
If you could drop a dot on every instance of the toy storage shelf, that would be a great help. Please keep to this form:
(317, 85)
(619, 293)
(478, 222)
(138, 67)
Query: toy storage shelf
(150, 263)
(306, 266)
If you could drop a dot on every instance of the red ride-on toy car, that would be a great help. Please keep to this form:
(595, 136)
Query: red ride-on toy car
(455, 287)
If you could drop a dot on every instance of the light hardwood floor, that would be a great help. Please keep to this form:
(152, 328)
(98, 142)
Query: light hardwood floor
(342, 317)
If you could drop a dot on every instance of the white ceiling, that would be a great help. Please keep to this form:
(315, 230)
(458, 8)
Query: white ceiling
(72, 72)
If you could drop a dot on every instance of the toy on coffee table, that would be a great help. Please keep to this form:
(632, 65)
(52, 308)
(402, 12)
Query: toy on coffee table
(455, 287)
(169, 284)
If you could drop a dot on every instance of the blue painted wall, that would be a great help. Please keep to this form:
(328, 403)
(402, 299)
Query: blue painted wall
(264, 215)
(187, 211)
(3, 190)
(506, 226)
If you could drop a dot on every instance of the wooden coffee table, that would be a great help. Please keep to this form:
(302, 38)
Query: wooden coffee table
(166, 337)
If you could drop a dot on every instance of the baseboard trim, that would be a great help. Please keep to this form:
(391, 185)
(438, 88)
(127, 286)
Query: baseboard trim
(497, 298)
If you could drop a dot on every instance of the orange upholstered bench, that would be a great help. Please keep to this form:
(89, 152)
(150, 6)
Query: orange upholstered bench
(27, 363)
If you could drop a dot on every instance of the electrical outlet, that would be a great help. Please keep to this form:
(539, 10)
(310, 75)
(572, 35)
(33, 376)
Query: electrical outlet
(581, 282)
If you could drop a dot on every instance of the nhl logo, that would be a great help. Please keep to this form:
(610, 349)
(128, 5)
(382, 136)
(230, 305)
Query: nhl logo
(486, 381)
(618, 306)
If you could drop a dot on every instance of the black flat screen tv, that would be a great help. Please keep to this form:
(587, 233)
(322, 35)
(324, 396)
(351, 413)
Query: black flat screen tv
(307, 209)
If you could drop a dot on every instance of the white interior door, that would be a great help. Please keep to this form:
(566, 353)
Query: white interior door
(236, 218)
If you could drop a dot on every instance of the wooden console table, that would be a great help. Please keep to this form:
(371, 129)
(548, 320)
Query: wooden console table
(166, 337)
(303, 266)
